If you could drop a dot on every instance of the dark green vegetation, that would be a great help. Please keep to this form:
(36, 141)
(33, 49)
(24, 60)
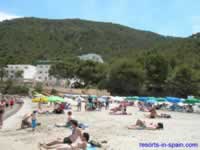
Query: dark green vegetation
(9, 87)
(137, 62)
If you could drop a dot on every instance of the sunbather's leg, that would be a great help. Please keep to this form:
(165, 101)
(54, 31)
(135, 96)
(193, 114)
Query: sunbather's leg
(52, 147)
(139, 123)
(132, 127)
(55, 142)
(64, 147)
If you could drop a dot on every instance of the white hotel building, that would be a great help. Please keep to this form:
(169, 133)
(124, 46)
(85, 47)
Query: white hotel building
(31, 73)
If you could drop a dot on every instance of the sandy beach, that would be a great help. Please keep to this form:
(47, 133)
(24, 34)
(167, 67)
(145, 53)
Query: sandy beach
(182, 128)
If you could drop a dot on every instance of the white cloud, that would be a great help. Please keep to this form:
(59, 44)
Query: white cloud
(7, 16)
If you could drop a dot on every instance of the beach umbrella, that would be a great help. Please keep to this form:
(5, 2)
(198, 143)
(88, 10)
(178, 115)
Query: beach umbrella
(40, 99)
(102, 100)
(192, 101)
(152, 101)
(132, 98)
(160, 99)
(118, 98)
(143, 99)
(55, 99)
(173, 99)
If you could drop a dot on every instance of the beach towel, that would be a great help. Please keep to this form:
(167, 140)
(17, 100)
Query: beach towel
(90, 147)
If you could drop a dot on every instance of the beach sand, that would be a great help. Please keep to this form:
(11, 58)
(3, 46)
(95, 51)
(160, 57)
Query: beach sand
(182, 128)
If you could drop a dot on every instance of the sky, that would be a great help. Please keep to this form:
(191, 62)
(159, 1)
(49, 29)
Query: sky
(168, 17)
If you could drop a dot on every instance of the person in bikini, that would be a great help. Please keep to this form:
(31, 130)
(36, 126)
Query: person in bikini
(143, 125)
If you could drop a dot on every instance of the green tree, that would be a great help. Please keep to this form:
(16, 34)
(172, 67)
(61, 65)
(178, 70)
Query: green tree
(54, 92)
(38, 87)
(91, 73)
(19, 74)
(156, 72)
(125, 78)
(65, 69)
(3, 72)
(3, 65)
(183, 82)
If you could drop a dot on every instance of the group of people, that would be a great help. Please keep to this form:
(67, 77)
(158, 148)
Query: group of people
(96, 104)
(30, 121)
(7, 103)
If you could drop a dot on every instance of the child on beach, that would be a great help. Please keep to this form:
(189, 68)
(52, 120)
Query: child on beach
(34, 120)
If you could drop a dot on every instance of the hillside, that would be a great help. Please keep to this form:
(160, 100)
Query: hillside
(27, 39)
(32, 38)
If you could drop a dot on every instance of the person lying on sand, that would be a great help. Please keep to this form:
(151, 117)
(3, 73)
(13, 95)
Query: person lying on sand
(76, 133)
(44, 111)
(121, 113)
(115, 109)
(154, 114)
(81, 145)
(143, 125)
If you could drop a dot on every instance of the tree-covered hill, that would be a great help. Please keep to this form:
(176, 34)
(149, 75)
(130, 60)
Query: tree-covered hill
(137, 62)
(26, 39)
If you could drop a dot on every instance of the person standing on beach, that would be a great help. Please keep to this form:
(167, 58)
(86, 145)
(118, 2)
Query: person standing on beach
(2, 110)
(34, 120)
(107, 103)
(11, 103)
(79, 104)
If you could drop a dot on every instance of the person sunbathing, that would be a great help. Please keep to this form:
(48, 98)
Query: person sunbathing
(154, 114)
(143, 125)
(116, 109)
(76, 133)
(81, 145)
(123, 112)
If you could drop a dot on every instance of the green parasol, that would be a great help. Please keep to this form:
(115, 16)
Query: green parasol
(132, 98)
(192, 101)
(160, 99)
(55, 99)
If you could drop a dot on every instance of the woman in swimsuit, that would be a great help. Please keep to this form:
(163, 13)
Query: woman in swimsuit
(143, 125)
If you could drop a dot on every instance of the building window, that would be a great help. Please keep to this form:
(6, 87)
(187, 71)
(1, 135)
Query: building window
(40, 72)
